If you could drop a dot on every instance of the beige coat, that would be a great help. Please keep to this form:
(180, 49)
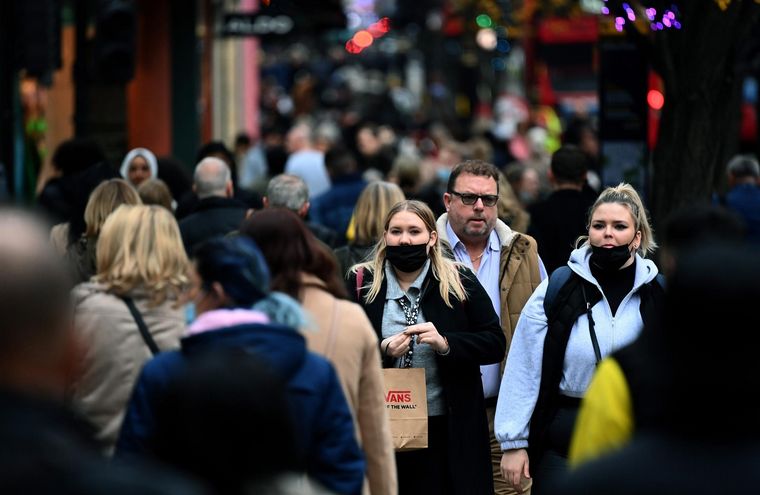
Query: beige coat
(115, 353)
(344, 335)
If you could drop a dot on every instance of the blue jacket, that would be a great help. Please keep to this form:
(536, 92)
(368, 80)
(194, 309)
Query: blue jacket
(323, 423)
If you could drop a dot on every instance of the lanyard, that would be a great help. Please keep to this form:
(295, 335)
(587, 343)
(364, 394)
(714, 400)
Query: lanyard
(410, 313)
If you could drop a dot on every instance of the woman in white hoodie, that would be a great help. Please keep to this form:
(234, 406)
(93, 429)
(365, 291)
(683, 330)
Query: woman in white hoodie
(606, 296)
(138, 166)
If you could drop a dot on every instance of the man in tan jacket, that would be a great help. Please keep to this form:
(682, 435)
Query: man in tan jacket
(506, 264)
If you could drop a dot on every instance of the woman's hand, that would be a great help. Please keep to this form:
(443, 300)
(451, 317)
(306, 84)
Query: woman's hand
(515, 468)
(427, 334)
(396, 346)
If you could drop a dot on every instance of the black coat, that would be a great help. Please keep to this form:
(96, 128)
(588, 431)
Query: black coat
(212, 217)
(475, 339)
(47, 450)
(556, 223)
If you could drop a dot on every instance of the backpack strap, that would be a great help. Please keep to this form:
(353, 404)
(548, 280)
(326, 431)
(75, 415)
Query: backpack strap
(557, 280)
(144, 332)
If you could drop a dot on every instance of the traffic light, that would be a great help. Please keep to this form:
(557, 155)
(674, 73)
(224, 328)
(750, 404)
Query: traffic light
(115, 33)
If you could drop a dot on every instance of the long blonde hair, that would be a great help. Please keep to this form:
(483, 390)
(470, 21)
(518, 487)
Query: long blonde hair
(624, 194)
(140, 246)
(444, 270)
(108, 196)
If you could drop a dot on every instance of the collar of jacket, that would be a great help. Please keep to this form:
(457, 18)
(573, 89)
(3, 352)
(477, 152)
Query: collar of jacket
(506, 235)
(215, 202)
(309, 280)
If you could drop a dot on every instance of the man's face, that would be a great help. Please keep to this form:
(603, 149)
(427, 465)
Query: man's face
(472, 223)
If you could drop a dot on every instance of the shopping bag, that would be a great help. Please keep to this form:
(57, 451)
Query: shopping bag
(406, 403)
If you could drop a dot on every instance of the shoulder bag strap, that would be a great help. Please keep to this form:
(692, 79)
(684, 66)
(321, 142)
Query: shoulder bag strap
(144, 332)
(594, 341)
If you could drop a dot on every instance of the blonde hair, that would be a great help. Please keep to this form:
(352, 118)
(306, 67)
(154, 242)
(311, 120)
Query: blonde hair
(155, 192)
(140, 246)
(371, 209)
(509, 209)
(108, 196)
(624, 194)
(444, 270)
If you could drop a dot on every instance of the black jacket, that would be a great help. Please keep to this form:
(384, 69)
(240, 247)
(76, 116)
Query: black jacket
(556, 223)
(212, 217)
(475, 338)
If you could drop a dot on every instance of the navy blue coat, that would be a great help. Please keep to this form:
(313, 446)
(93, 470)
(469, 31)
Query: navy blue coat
(322, 420)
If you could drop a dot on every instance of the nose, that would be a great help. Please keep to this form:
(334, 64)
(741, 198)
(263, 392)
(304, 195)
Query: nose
(405, 239)
(478, 205)
(608, 231)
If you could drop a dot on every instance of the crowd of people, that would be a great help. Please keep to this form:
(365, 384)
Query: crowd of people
(228, 332)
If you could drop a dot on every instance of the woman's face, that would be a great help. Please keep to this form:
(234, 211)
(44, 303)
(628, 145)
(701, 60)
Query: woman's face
(613, 225)
(138, 170)
(406, 228)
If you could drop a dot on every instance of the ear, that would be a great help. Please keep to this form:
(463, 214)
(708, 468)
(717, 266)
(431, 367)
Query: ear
(195, 190)
(219, 295)
(265, 202)
(229, 189)
(304, 209)
(447, 200)
(433, 238)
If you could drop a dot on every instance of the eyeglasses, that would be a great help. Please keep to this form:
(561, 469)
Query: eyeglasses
(471, 199)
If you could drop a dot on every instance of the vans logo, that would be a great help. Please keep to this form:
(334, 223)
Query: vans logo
(398, 396)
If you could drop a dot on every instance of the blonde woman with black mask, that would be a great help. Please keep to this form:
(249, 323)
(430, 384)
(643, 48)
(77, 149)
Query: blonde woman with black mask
(608, 292)
(430, 312)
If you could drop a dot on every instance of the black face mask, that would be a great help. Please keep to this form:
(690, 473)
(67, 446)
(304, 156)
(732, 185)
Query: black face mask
(407, 259)
(610, 259)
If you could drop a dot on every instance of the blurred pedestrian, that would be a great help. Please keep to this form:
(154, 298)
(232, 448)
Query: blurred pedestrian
(306, 162)
(525, 183)
(579, 315)
(367, 224)
(292, 193)
(65, 196)
(509, 208)
(432, 313)
(108, 196)
(45, 447)
(128, 312)
(218, 212)
(334, 207)
(235, 309)
(226, 421)
(744, 194)
(139, 165)
(155, 192)
(189, 203)
(557, 221)
(305, 269)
